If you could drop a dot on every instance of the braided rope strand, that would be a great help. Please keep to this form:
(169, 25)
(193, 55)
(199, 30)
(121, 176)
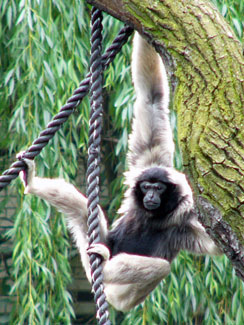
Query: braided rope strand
(94, 159)
(64, 113)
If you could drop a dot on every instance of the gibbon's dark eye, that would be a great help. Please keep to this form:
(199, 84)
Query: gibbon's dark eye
(145, 186)
(160, 187)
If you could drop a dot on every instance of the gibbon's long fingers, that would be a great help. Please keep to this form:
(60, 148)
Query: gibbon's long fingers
(26, 176)
(100, 249)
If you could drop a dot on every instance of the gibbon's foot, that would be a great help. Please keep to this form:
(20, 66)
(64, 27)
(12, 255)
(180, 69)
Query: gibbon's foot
(26, 175)
(99, 249)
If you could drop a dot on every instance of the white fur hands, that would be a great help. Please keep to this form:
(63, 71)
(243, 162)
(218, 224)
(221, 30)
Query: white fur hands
(27, 175)
(99, 249)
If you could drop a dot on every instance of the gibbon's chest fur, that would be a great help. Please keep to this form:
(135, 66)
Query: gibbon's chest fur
(147, 241)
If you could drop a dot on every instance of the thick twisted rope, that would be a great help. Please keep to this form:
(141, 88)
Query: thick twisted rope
(64, 113)
(93, 171)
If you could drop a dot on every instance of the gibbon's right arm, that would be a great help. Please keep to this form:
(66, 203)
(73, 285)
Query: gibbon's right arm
(151, 140)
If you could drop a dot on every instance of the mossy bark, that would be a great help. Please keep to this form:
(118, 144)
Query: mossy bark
(209, 96)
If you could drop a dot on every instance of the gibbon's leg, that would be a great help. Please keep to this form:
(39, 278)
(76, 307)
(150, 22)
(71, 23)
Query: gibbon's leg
(129, 278)
(67, 199)
(199, 241)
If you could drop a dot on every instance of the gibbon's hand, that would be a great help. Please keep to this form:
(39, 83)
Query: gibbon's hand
(27, 175)
(99, 249)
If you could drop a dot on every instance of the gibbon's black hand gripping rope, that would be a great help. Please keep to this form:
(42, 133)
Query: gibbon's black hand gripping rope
(94, 79)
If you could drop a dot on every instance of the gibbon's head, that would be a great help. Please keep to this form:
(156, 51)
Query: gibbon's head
(162, 192)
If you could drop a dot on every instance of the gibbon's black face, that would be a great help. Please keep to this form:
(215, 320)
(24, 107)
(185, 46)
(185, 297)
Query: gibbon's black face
(152, 194)
(155, 193)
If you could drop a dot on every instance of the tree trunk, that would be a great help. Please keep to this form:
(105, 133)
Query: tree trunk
(208, 65)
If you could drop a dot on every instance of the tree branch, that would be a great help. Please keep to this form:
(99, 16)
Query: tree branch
(222, 233)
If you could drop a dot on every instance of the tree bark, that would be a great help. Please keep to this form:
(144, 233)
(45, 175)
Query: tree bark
(207, 61)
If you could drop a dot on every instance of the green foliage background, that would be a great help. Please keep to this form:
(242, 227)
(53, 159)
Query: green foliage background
(44, 55)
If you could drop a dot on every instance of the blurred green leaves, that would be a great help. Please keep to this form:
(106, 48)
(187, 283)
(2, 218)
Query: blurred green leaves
(233, 11)
(199, 290)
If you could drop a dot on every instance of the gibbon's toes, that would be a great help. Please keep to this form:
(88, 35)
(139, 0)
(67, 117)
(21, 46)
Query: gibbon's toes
(99, 249)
